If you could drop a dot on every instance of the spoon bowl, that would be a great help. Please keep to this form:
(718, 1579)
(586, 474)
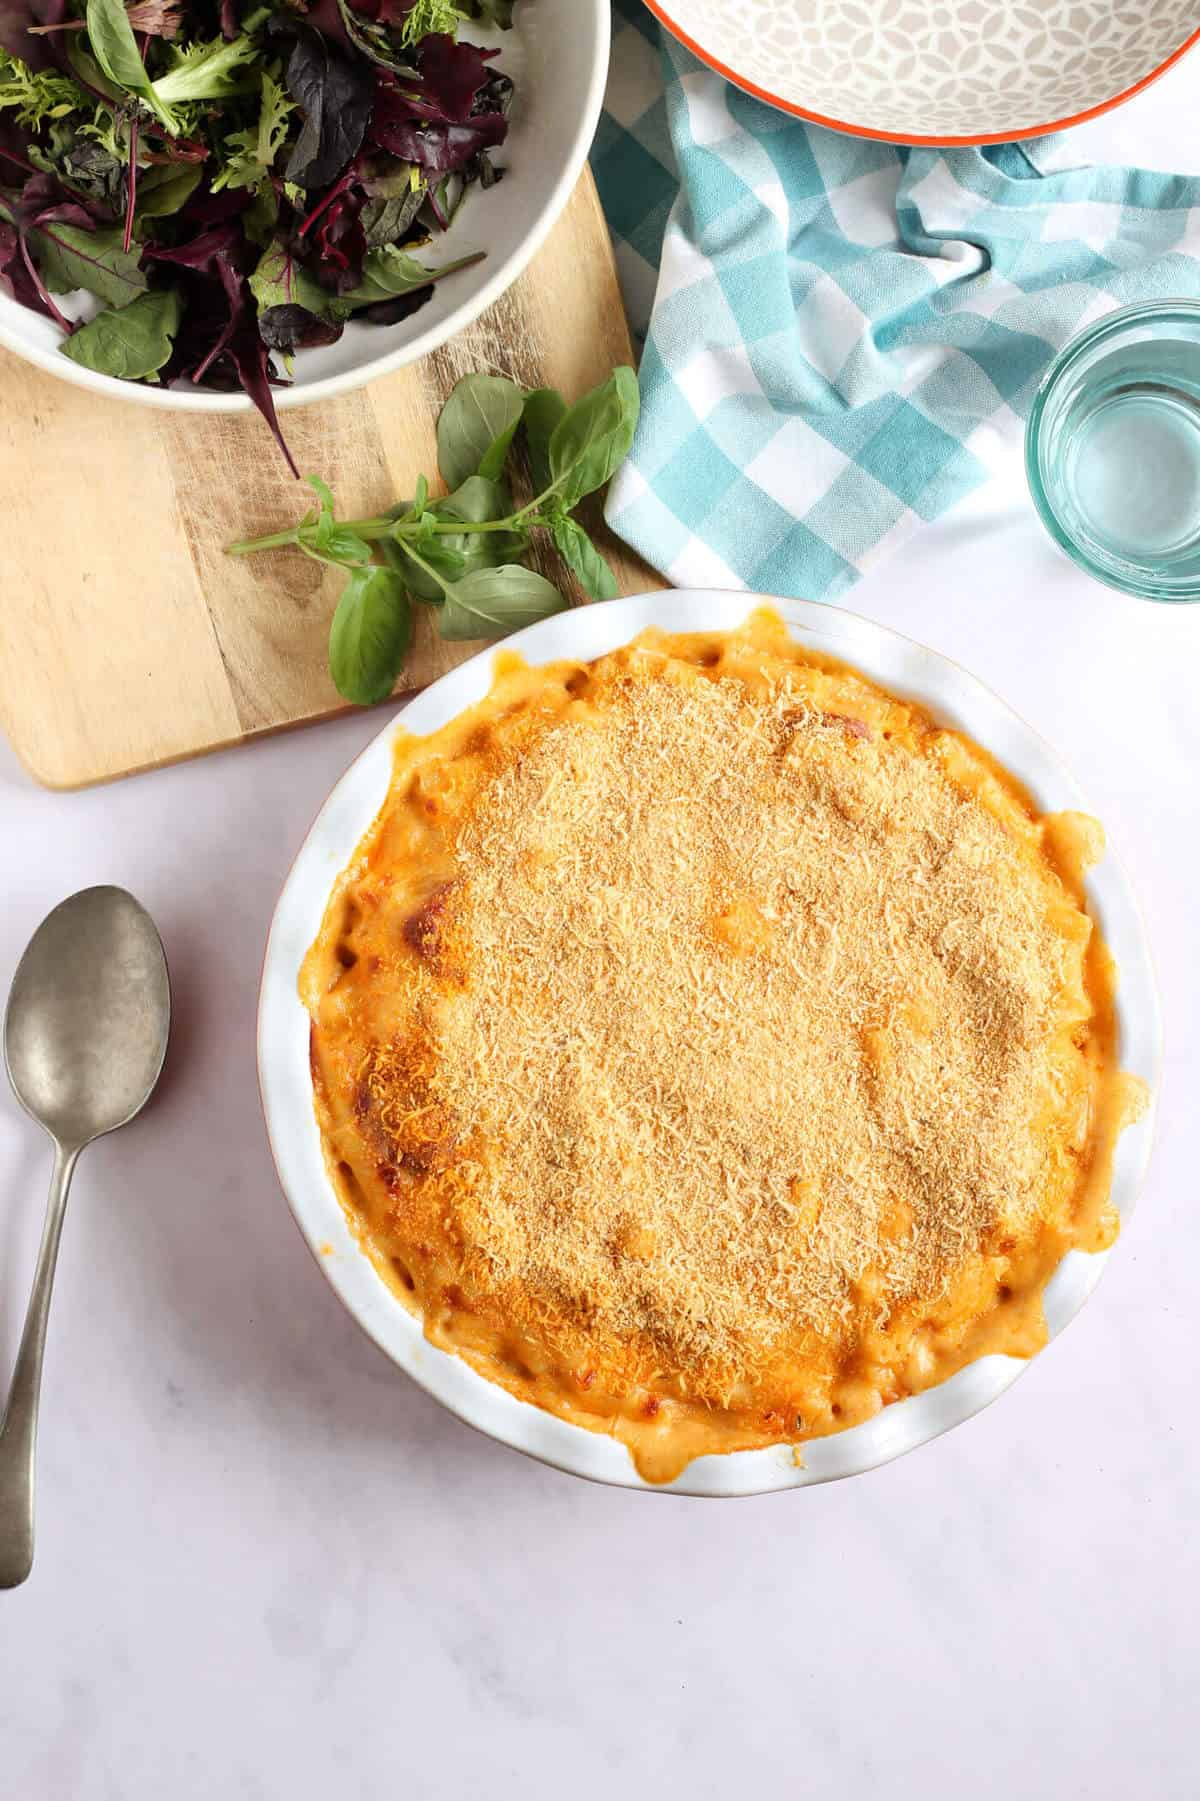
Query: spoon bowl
(85, 1035)
(85, 1032)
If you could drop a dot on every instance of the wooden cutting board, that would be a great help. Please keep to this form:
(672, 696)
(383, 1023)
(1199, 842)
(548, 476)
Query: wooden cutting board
(129, 640)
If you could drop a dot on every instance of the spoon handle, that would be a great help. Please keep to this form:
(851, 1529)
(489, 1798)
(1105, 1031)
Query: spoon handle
(18, 1431)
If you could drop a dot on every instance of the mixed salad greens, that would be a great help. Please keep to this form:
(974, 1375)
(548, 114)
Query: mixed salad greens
(233, 181)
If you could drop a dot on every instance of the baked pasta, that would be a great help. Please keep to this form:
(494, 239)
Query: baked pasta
(710, 1048)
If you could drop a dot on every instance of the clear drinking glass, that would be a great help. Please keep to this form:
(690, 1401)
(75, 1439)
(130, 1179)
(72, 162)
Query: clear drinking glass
(1113, 450)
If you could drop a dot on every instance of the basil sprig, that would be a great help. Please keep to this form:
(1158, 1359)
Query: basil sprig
(460, 552)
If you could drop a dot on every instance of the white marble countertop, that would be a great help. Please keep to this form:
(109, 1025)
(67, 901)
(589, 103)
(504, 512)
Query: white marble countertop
(268, 1565)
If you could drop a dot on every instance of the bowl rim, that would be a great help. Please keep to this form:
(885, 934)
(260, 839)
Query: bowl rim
(907, 667)
(204, 400)
(664, 17)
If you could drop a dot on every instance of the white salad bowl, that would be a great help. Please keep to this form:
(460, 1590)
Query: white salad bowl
(557, 54)
(955, 698)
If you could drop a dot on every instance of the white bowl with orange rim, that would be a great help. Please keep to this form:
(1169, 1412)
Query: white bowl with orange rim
(958, 72)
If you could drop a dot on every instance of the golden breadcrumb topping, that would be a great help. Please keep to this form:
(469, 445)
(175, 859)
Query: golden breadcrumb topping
(708, 1043)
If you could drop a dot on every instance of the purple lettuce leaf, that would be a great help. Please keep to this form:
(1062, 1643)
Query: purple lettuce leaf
(219, 342)
(290, 327)
(437, 149)
(449, 75)
(16, 17)
(334, 90)
(454, 109)
(331, 241)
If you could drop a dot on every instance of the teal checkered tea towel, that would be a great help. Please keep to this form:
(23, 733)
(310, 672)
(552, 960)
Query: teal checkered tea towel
(845, 336)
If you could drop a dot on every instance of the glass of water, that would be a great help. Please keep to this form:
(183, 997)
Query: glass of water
(1113, 450)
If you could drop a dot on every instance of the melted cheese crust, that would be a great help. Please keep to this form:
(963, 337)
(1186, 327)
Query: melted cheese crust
(830, 1297)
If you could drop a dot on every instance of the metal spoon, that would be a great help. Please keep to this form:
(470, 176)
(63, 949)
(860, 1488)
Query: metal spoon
(85, 1035)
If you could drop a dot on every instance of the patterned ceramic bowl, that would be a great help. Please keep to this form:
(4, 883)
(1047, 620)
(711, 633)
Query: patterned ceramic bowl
(937, 71)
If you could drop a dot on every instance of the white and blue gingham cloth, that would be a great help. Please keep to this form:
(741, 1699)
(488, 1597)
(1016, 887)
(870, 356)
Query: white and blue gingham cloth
(844, 336)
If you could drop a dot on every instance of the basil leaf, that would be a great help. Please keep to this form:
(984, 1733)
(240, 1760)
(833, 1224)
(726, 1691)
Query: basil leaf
(325, 521)
(584, 560)
(592, 440)
(476, 426)
(324, 494)
(131, 342)
(331, 542)
(340, 548)
(442, 556)
(544, 408)
(69, 258)
(495, 601)
(425, 586)
(477, 501)
(370, 635)
(115, 49)
(453, 555)
(406, 513)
